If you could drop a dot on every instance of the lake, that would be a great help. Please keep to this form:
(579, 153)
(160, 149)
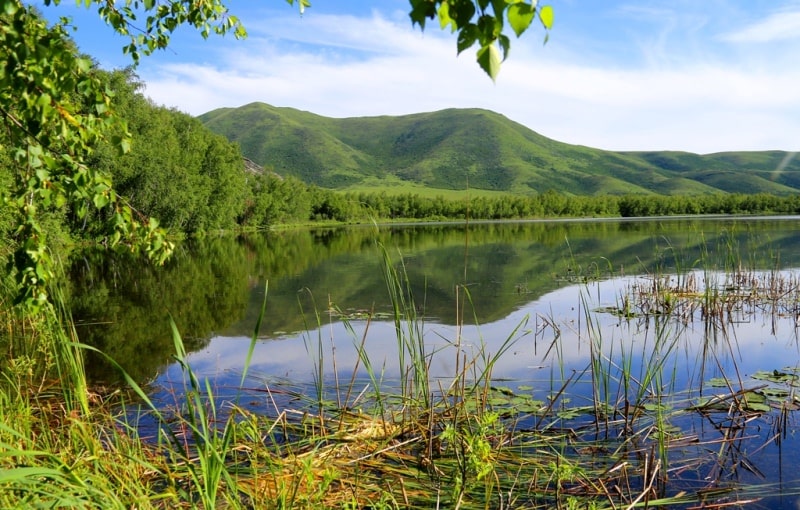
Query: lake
(687, 327)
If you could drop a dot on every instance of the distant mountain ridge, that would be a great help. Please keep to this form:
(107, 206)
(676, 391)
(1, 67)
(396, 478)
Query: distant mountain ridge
(456, 148)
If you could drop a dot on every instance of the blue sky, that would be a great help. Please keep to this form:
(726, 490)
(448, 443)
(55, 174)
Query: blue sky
(696, 75)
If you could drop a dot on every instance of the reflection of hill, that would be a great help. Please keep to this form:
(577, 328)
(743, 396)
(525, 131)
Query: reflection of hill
(507, 264)
(217, 285)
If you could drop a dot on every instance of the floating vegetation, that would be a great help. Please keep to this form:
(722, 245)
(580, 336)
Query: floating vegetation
(789, 376)
(723, 296)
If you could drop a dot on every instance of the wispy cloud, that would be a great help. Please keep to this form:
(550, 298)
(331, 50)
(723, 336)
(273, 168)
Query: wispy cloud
(780, 26)
(351, 66)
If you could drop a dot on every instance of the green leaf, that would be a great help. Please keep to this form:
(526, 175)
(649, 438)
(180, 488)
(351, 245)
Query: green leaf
(84, 65)
(504, 43)
(656, 406)
(753, 401)
(757, 407)
(123, 144)
(546, 16)
(505, 390)
(520, 16)
(489, 60)
(467, 37)
(421, 10)
(100, 200)
(571, 413)
(462, 13)
(444, 17)
(489, 28)
(774, 393)
(718, 382)
(776, 376)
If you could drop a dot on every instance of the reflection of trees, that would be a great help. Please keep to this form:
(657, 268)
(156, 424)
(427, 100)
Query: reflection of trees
(122, 305)
(217, 285)
(507, 264)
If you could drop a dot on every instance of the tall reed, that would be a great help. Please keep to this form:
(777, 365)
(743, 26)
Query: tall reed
(413, 358)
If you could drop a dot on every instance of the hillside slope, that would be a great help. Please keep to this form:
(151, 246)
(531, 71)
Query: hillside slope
(480, 149)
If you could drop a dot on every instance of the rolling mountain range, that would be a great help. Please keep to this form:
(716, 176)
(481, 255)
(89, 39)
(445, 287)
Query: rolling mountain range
(480, 149)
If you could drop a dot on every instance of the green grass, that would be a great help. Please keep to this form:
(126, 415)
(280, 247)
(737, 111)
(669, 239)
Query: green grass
(394, 186)
(447, 149)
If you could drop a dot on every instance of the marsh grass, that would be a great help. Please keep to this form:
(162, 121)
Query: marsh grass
(58, 448)
(717, 294)
(364, 441)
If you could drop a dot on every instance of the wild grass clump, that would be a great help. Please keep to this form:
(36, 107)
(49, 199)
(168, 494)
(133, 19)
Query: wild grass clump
(60, 443)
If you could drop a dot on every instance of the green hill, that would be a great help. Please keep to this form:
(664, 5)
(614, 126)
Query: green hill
(456, 148)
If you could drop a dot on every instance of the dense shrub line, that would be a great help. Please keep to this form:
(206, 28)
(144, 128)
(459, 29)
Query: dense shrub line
(346, 207)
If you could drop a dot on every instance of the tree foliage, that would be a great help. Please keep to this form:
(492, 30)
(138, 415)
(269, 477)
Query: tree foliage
(318, 204)
(177, 170)
(58, 116)
(483, 23)
(161, 19)
(55, 110)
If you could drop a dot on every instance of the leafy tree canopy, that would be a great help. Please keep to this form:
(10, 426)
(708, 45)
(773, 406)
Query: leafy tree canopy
(56, 110)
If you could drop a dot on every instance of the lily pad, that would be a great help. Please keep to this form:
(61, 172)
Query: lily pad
(776, 376)
(505, 390)
(757, 402)
(613, 310)
(751, 401)
(571, 413)
(718, 382)
(774, 392)
(655, 407)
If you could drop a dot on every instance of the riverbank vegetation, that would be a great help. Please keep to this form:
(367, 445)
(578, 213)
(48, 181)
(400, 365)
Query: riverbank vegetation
(195, 182)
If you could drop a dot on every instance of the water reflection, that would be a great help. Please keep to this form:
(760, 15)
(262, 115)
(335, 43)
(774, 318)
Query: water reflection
(215, 287)
(549, 333)
(562, 292)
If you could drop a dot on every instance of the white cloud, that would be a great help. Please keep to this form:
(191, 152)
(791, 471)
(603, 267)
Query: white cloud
(381, 67)
(779, 26)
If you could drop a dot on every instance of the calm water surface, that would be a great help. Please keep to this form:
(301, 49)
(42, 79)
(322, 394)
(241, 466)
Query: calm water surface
(557, 289)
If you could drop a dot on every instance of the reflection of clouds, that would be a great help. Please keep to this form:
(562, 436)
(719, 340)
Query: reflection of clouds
(695, 352)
